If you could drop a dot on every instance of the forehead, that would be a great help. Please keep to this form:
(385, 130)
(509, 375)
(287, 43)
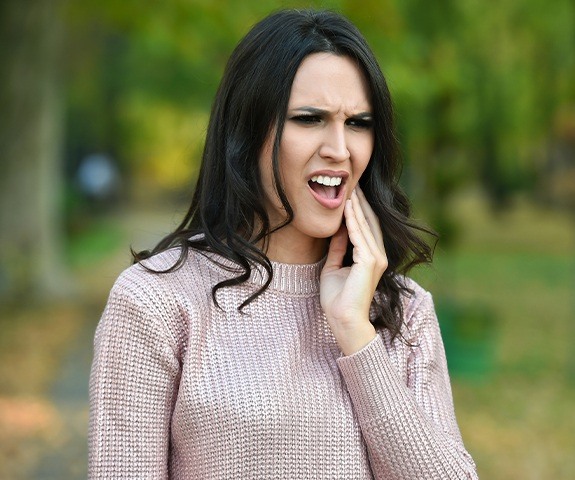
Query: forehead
(329, 80)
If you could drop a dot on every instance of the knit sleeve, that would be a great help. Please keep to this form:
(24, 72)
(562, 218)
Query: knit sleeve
(133, 385)
(410, 429)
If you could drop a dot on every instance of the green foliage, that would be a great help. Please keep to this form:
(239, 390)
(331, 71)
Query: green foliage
(478, 90)
(95, 242)
(469, 334)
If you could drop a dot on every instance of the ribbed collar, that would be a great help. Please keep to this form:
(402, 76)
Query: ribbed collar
(291, 278)
(297, 279)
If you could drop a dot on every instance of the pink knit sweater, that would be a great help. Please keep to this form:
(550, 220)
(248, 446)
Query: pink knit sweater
(183, 390)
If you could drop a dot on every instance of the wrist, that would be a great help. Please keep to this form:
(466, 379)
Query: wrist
(351, 339)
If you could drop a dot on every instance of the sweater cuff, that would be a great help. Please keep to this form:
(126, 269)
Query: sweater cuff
(371, 379)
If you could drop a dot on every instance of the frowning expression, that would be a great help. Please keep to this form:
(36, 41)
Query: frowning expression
(325, 147)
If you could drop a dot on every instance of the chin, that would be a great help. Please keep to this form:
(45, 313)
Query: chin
(327, 231)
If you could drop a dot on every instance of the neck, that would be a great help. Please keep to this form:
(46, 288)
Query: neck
(282, 249)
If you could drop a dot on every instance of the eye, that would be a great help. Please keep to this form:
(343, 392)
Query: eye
(360, 123)
(306, 119)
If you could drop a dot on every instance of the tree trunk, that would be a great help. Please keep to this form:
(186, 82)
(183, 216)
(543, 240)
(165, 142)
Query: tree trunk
(31, 139)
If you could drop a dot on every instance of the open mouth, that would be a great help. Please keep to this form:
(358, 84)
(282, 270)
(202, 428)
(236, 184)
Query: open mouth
(325, 186)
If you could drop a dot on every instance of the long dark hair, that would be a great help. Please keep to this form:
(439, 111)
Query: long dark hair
(227, 214)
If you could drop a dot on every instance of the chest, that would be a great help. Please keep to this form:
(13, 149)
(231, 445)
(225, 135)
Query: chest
(263, 376)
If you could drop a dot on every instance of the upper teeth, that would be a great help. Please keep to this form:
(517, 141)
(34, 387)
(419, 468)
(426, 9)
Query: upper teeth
(327, 181)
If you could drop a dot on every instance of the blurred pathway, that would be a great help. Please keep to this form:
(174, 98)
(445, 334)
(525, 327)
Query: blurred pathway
(66, 460)
(66, 457)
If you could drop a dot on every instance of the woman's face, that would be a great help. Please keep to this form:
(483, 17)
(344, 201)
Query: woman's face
(325, 147)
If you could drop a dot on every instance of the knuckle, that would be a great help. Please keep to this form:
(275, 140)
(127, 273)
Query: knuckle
(367, 258)
(382, 263)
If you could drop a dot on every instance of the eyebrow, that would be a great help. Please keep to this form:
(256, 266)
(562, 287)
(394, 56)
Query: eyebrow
(320, 111)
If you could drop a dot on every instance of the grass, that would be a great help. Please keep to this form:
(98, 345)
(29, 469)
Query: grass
(35, 340)
(94, 243)
(517, 419)
(32, 346)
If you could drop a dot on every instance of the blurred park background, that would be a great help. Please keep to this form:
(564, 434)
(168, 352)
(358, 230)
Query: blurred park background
(103, 110)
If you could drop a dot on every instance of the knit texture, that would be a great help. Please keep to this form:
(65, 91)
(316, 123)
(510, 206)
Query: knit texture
(182, 389)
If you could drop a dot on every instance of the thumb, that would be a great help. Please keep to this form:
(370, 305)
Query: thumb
(337, 249)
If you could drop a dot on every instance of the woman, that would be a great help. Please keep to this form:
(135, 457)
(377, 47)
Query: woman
(273, 334)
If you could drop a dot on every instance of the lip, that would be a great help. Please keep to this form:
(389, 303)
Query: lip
(330, 203)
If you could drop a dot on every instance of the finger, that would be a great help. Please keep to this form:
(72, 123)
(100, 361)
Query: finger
(369, 262)
(374, 244)
(352, 223)
(371, 217)
(337, 249)
(362, 251)
(376, 248)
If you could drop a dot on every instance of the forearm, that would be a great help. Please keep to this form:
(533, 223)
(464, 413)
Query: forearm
(352, 339)
(132, 389)
(403, 442)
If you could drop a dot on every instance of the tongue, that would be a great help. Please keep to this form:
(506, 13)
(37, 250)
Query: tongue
(323, 190)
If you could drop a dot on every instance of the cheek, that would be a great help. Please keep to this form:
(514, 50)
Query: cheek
(273, 204)
(266, 174)
(363, 159)
(364, 166)
(297, 147)
(291, 164)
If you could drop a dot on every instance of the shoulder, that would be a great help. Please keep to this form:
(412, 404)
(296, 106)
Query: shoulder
(173, 289)
(417, 304)
(164, 275)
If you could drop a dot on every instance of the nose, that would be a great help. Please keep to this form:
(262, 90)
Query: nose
(334, 144)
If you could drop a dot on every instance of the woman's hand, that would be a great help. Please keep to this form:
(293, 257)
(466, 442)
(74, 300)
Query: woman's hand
(346, 292)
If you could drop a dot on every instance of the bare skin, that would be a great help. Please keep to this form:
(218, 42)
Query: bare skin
(329, 132)
(346, 292)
